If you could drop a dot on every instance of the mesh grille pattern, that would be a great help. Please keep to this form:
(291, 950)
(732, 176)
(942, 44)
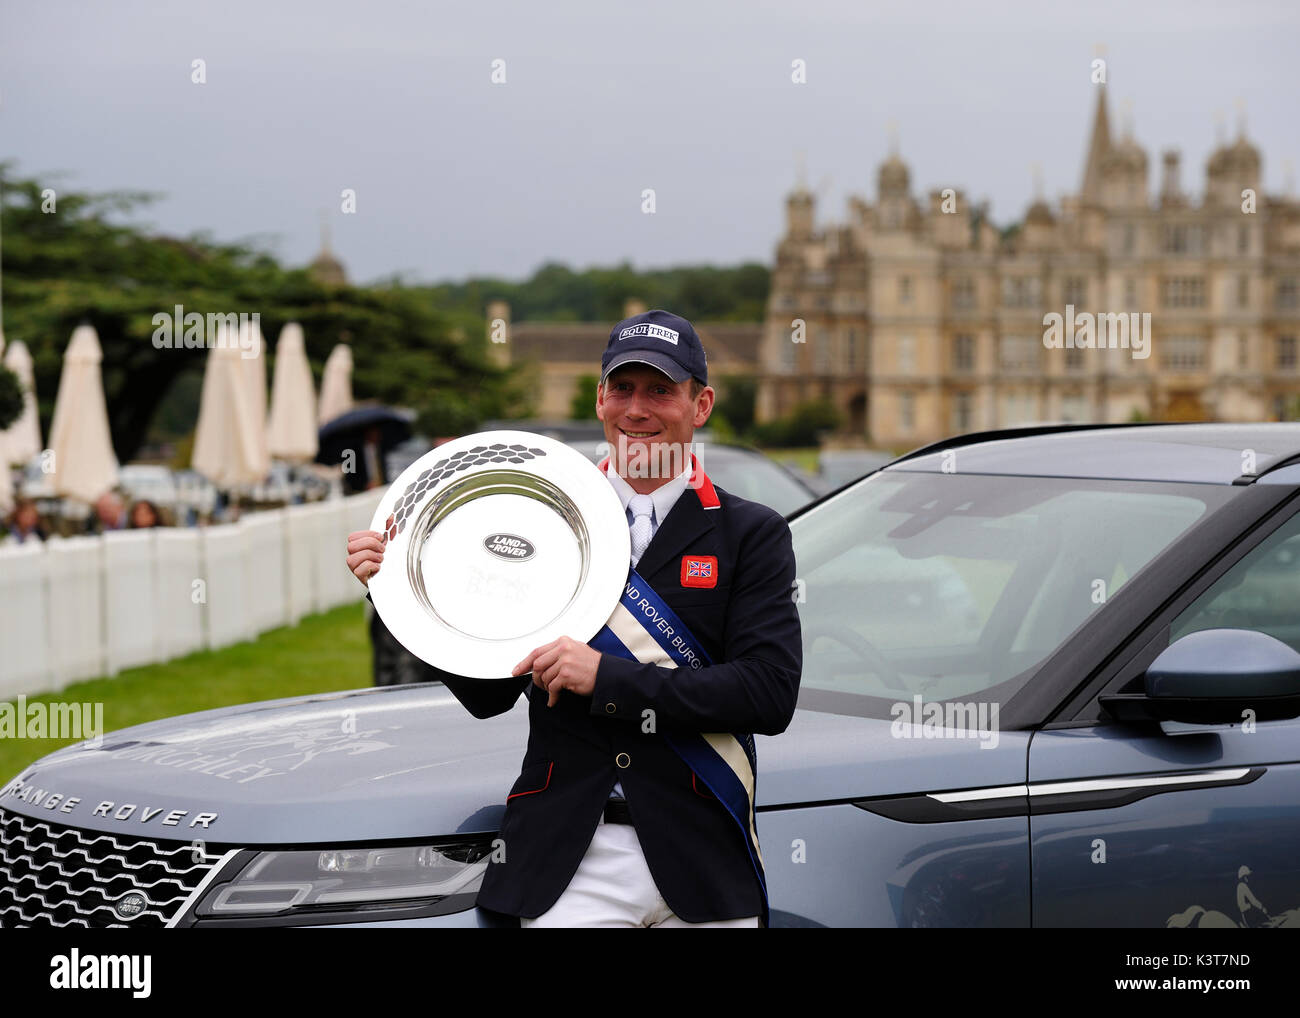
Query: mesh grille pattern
(51, 875)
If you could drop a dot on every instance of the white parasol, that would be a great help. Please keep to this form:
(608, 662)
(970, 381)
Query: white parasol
(336, 384)
(229, 441)
(291, 427)
(84, 465)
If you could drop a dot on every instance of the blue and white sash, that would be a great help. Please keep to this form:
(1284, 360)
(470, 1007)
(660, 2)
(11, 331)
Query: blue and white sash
(643, 628)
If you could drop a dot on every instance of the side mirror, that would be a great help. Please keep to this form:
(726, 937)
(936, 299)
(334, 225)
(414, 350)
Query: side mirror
(1213, 677)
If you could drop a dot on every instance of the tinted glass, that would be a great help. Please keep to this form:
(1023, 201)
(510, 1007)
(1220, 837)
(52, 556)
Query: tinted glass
(754, 477)
(953, 586)
(1261, 592)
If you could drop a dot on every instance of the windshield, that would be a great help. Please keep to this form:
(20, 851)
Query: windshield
(956, 586)
(754, 478)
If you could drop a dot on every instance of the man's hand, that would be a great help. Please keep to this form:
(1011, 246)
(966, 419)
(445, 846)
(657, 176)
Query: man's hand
(365, 553)
(563, 664)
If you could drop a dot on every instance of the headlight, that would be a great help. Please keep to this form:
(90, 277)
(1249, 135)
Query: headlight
(433, 879)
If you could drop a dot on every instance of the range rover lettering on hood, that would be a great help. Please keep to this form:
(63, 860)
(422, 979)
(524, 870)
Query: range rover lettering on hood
(124, 812)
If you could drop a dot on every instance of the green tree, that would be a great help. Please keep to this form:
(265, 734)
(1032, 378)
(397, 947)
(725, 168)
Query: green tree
(803, 426)
(737, 396)
(583, 406)
(555, 292)
(84, 262)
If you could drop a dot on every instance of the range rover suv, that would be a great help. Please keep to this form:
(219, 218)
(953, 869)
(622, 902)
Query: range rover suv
(1024, 651)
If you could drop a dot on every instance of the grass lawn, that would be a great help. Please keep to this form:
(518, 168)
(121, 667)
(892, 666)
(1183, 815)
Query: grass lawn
(322, 653)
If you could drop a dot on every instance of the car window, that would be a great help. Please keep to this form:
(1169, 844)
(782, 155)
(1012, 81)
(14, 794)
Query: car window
(750, 476)
(756, 479)
(1261, 592)
(961, 585)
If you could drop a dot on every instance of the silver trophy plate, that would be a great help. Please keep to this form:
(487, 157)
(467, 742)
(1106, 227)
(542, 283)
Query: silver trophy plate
(497, 543)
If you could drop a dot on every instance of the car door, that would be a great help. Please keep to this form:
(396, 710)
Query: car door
(1174, 825)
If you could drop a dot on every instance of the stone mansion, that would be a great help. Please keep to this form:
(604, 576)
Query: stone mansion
(920, 319)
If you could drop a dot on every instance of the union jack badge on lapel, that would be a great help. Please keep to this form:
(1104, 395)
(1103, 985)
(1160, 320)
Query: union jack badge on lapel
(699, 571)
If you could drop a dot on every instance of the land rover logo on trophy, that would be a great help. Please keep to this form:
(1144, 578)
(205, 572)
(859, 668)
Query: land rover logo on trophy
(508, 546)
(130, 905)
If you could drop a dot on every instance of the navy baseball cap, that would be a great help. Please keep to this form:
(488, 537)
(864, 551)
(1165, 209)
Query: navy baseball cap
(661, 339)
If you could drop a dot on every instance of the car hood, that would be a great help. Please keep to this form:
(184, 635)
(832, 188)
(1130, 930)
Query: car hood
(409, 761)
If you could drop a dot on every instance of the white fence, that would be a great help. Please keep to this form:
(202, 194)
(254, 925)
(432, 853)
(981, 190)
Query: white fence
(81, 607)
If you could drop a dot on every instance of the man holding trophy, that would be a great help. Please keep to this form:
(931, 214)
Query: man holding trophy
(635, 802)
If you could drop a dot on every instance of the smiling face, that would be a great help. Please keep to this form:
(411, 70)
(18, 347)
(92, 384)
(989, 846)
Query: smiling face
(649, 420)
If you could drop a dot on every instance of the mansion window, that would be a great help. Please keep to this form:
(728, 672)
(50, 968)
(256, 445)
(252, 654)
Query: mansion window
(1019, 353)
(1182, 292)
(1287, 294)
(1243, 239)
(1243, 351)
(1243, 291)
(962, 412)
(1021, 291)
(1018, 408)
(853, 351)
(1183, 353)
(1075, 291)
(1130, 294)
(1075, 359)
(822, 351)
(963, 353)
(1074, 409)
(1184, 238)
(963, 293)
(905, 289)
(1285, 359)
(906, 412)
(786, 351)
(1130, 238)
(906, 355)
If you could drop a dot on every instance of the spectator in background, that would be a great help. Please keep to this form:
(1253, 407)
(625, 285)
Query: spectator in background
(144, 514)
(25, 523)
(373, 457)
(110, 514)
(368, 471)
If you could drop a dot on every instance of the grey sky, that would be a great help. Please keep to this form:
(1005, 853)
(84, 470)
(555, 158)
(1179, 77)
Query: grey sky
(456, 176)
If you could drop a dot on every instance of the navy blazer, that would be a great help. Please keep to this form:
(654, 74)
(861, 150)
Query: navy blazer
(749, 625)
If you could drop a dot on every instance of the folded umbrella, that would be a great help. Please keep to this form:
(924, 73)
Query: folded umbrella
(348, 431)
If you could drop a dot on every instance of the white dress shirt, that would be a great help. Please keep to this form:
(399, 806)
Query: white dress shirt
(664, 498)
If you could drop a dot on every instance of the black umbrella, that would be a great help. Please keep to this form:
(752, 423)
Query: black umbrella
(348, 431)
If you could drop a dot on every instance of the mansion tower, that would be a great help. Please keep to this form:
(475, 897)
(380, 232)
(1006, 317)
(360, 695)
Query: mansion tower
(919, 319)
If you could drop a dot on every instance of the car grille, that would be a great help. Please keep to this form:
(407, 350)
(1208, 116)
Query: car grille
(51, 875)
